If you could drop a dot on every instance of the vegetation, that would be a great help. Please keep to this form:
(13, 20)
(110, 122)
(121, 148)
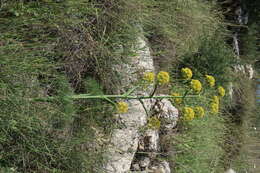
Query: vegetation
(58, 49)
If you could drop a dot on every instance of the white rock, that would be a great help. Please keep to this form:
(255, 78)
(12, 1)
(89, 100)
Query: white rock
(136, 115)
(124, 144)
(124, 141)
(236, 45)
(230, 171)
(249, 70)
(136, 167)
(145, 61)
(230, 90)
(245, 69)
(162, 167)
(150, 141)
(144, 162)
(167, 112)
(240, 68)
(130, 72)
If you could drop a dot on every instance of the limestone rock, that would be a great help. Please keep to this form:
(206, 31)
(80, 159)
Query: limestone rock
(167, 113)
(230, 171)
(150, 141)
(124, 141)
(144, 162)
(249, 71)
(124, 144)
(161, 167)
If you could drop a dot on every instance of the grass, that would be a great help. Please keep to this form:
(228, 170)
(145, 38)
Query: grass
(241, 132)
(175, 28)
(52, 136)
(198, 146)
(60, 48)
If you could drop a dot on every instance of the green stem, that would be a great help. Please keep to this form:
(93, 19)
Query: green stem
(155, 88)
(108, 97)
(131, 91)
(141, 101)
(110, 101)
(82, 96)
(185, 94)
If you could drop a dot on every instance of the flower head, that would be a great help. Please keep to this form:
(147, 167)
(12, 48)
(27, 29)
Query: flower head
(199, 111)
(221, 91)
(148, 77)
(122, 107)
(188, 113)
(154, 123)
(186, 73)
(214, 107)
(163, 77)
(196, 85)
(210, 80)
(177, 100)
(215, 99)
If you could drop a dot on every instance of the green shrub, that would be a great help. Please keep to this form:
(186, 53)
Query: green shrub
(46, 136)
(214, 57)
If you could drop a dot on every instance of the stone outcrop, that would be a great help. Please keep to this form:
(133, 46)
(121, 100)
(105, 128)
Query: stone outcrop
(132, 137)
(230, 171)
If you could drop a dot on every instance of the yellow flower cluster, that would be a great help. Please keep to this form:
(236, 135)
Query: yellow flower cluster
(215, 99)
(210, 80)
(196, 85)
(163, 77)
(188, 113)
(148, 77)
(199, 111)
(221, 91)
(176, 100)
(186, 73)
(154, 123)
(122, 107)
(214, 107)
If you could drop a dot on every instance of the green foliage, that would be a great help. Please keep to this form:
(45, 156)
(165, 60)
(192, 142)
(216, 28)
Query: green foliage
(56, 48)
(249, 46)
(243, 116)
(45, 136)
(174, 28)
(198, 146)
(214, 57)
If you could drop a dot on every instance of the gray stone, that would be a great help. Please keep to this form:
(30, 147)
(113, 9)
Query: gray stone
(124, 141)
(230, 171)
(150, 141)
(161, 167)
(144, 162)
(167, 113)
(135, 167)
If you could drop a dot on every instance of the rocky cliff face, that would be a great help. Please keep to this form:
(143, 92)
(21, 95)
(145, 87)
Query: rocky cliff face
(133, 146)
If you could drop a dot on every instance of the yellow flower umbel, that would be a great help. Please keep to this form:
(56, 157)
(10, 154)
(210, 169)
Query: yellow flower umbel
(210, 80)
(154, 123)
(214, 107)
(196, 85)
(122, 107)
(163, 77)
(199, 111)
(186, 73)
(176, 100)
(188, 113)
(148, 77)
(221, 91)
(215, 99)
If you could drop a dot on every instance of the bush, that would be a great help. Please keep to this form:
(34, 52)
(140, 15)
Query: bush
(214, 57)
